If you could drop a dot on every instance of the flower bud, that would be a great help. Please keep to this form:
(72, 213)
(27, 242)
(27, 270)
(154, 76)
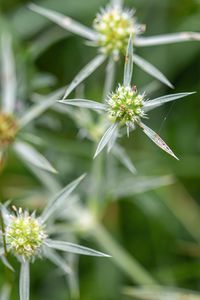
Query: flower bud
(114, 27)
(125, 105)
(24, 235)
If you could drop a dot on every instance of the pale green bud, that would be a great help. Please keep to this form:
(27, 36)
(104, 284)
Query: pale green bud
(24, 235)
(125, 105)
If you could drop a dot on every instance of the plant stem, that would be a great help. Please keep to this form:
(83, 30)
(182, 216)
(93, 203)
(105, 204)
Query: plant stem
(127, 263)
(109, 78)
(3, 233)
(96, 182)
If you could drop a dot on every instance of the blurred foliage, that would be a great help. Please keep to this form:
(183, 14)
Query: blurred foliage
(160, 228)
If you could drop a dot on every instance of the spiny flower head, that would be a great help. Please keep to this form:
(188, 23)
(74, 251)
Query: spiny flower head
(125, 105)
(114, 27)
(8, 129)
(24, 234)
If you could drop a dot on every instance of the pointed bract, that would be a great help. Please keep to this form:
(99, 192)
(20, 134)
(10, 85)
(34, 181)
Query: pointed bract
(8, 78)
(73, 248)
(106, 138)
(84, 73)
(156, 139)
(85, 103)
(64, 21)
(128, 66)
(29, 154)
(57, 260)
(151, 104)
(61, 197)
(150, 69)
(167, 39)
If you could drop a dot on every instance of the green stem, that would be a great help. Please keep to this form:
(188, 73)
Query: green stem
(110, 77)
(95, 198)
(3, 233)
(127, 263)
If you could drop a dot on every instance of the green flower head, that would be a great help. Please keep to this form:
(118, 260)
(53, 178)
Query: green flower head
(125, 105)
(114, 27)
(24, 235)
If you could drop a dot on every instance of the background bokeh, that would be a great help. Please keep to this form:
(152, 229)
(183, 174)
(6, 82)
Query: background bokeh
(160, 227)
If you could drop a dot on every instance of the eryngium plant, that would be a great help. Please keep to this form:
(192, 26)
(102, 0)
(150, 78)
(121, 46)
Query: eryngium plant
(110, 33)
(126, 107)
(13, 127)
(27, 237)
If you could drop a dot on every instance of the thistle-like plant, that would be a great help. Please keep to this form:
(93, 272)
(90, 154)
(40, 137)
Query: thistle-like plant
(126, 107)
(110, 33)
(12, 125)
(27, 237)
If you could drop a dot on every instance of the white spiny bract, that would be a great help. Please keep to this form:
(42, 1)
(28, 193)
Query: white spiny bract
(125, 105)
(24, 235)
(114, 26)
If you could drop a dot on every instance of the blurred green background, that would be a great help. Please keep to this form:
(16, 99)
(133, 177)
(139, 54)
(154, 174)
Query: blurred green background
(160, 228)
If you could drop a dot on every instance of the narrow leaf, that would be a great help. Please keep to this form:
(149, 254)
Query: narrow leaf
(161, 293)
(167, 39)
(157, 139)
(6, 263)
(30, 155)
(65, 22)
(150, 69)
(35, 111)
(151, 104)
(130, 186)
(24, 281)
(106, 138)
(73, 248)
(84, 103)
(60, 199)
(84, 73)
(122, 156)
(57, 260)
(5, 292)
(8, 78)
(112, 141)
(128, 67)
